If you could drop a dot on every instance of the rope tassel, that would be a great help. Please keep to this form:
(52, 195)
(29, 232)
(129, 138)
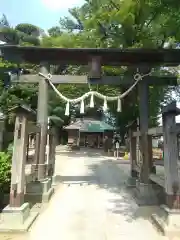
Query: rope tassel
(82, 107)
(119, 105)
(137, 77)
(92, 101)
(105, 107)
(67, 109)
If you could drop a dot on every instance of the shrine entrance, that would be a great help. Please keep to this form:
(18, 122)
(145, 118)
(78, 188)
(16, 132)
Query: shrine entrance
(141, 63)
(89, 133)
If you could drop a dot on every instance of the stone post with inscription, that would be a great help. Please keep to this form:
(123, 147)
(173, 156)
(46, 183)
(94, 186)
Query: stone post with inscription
(16, 216)
(168, 215)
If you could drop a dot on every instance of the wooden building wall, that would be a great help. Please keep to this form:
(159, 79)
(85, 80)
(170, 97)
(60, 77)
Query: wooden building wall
(73, 136)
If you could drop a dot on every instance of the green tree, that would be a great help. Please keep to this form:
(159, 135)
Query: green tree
(23, 34)
(111, 24)
(28, 29)
(54, 31)
(4, 22)
(5, 171)
(120, 24)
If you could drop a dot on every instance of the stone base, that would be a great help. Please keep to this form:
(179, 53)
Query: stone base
(145, 194)
(54, 180)
(167, 221)
(41, 190)
(131, 182)
(153, 169)
(17, 219)
(134, 174)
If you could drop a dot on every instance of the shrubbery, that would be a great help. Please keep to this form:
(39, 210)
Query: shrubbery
(5, 171)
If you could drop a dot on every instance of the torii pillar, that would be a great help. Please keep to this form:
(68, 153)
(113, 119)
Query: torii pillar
(146, 193)
(42, 188)
(42, 120)
(167, 217)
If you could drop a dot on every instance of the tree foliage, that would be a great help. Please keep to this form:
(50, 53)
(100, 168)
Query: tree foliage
(5, 171)
(21, 34)
(107, 24)
(121, 24)
(28, 29)
(54, 31)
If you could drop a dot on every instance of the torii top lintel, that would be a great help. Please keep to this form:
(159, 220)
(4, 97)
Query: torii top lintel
(81, 56)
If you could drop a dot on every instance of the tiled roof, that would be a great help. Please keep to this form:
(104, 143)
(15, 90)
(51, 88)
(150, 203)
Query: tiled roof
(89, 125)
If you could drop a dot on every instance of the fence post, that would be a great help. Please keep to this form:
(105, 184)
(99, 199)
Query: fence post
(133, 155)
(167, 217)
(17, 216)
(132, 144)
(171, 156)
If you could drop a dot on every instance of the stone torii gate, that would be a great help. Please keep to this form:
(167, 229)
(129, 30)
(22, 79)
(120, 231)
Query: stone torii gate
(141, 59)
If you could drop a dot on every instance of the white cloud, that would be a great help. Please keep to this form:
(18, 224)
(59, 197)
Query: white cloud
(57, 5)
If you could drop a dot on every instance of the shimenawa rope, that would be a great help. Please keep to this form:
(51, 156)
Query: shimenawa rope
(137, 77)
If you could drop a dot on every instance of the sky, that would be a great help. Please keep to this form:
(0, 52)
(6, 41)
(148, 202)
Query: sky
(42, 13)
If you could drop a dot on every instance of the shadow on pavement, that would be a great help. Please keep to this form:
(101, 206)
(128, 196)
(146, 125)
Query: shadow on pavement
(112, 176)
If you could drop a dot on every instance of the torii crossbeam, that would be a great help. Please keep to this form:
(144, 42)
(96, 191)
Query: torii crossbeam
(141, 59)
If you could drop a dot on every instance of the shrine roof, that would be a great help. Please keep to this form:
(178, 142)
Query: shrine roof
(81, 56)
(23, 109)
(89, 125)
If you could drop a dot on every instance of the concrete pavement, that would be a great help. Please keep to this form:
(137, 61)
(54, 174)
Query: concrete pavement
(91, 202)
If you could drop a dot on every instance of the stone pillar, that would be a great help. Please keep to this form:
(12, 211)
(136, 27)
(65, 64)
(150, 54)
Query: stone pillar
(144, 114)
(167, 217)
(42, 187)
(18, 162)
(132, 145)
(48, 162)
(16, 216)
(53, 150)
(27, 148)
(49, 170)
(53, 155)
(36, 156)
(145, 192)
(42, 120)
(152, 167)
(171, 157)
